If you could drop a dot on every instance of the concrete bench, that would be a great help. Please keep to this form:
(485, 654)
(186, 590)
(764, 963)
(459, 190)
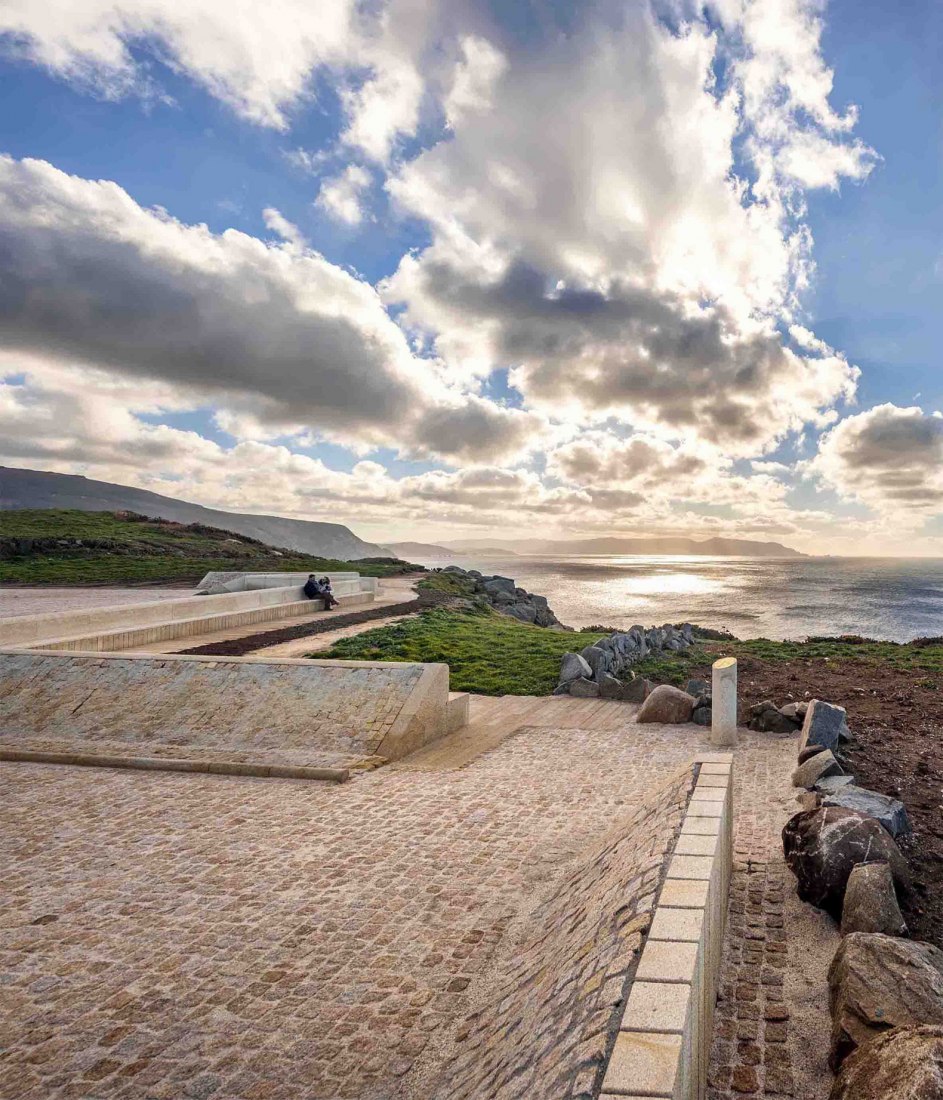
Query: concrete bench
(129, 625)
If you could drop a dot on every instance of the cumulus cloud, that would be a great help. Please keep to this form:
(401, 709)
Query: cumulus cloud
(890, 458)
(275, 334)
(340, 196)
(589, 232)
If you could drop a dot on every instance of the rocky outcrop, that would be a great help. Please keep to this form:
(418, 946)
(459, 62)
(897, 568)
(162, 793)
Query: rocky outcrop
(871, 902)
(823, 846)
(667, 705)
(877, 982)
(614, 656)
(506, 597)
(906, 1064)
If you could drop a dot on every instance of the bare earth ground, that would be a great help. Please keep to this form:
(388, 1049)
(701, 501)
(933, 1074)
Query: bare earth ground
(896, 716)
(170, 936)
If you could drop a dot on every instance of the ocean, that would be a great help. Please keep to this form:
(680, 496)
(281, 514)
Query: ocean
(895, 599)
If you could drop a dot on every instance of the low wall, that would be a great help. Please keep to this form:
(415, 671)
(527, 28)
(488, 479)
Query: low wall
(342, 583)
(241, 710)
(664, 1040)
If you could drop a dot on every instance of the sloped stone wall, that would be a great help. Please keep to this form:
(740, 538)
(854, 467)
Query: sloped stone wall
(558, 995)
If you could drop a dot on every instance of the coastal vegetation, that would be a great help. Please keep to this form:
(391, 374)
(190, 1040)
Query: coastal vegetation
(68, 546)
(487, 653)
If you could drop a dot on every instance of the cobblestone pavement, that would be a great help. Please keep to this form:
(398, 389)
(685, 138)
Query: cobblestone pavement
(754, 1053)
(181, 936)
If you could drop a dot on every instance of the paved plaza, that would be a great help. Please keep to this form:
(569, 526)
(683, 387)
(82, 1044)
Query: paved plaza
(173, 935)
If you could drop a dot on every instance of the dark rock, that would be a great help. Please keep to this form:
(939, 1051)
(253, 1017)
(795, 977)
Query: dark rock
(905, 1064)
(704, 701)
(667, 704)
(772, 720)
(609, 686)
(815, 768)
(637, 690)
(871, 902)
(573, 666)
(877, 982)
(822, 725)
(526, 612)
(889, 811)
(698, 687)
(597, 658)
(584, 689)
(822, 846)
(809, 750)
(562, 689)
(494, 585)
(702, 715)
(830, 783)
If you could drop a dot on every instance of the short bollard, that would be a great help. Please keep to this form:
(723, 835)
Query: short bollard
(724, 702)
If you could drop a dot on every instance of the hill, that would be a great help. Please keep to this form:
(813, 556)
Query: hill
(38, 489)
(68, 546)
(417, 551)
(673, 545)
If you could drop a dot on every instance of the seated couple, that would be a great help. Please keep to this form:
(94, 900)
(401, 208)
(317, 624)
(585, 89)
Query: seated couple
(320, 590)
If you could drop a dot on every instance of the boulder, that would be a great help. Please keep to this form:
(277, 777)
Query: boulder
(877, 982)
(597, 658)
(572, 667)
(667, 704)
(823, 846)
(525, 612)
(814, 769)
(831, 783)
(905, 1064)
(791, 710)
(609, 686)
(809, 750)
(871, 902)
(494, 585)
(584, 689)
(562, 689)
(772, 720)
(636, 690)
(823, 725)
(889, 811)
(698, 687)
(702, 715)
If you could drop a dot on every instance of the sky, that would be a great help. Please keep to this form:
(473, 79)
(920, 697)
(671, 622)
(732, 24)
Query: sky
(450, 269)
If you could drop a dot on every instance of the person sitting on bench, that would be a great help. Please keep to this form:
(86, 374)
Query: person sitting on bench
(327, 594)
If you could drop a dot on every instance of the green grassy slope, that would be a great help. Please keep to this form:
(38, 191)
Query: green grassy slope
(487, 653)
(50, 546)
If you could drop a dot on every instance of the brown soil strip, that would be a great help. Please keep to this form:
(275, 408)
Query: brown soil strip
(896, 716)
(240, 647)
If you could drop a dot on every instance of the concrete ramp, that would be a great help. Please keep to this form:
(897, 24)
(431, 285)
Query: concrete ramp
(242, 714)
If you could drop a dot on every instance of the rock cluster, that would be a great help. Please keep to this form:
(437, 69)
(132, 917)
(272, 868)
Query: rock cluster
(766, 717)
(885, 993)
(507, 598)
(599, 670)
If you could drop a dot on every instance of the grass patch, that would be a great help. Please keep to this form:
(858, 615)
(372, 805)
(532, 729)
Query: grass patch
(68, 546)
(487, 653)
(675, 668)
(450, 584)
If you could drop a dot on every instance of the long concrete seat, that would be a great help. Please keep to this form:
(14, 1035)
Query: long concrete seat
(129, 625)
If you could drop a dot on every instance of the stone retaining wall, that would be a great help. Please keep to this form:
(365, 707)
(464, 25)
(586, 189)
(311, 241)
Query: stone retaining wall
(547, 1028)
